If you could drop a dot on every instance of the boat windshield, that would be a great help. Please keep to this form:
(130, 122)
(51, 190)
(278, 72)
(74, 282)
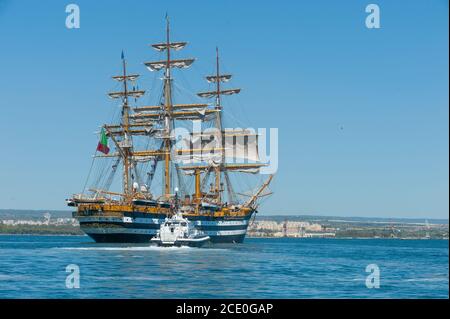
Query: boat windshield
(174, 223)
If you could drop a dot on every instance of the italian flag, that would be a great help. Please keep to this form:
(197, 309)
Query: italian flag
(103, 143)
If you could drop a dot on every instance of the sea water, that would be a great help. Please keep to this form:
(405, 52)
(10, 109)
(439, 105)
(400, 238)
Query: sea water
(48, 267)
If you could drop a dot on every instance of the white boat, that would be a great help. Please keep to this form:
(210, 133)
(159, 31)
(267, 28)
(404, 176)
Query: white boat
(178, 231)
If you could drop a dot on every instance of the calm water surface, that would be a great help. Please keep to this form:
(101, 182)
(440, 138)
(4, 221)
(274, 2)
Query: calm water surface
(35, 267)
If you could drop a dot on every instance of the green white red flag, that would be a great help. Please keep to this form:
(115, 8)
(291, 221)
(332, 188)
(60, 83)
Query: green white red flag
(103, 143)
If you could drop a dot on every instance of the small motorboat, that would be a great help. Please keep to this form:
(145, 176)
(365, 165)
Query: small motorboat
(178, 231)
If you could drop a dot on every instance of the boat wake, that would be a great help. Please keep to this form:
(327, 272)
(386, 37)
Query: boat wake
(142, 248)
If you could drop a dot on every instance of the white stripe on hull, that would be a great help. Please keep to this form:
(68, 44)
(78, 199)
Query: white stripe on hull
(220, 222)
(90, 230)
(140, 220)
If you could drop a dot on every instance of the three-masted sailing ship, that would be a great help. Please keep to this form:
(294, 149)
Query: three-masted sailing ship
(135, 213)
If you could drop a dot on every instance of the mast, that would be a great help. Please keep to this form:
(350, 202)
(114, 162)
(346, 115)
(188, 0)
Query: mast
(218, 82)
(167, 111)
(125, 145)
(218, 78)
(125, 114)
(218, 169)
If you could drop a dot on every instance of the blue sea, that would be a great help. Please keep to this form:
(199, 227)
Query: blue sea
(35, 267)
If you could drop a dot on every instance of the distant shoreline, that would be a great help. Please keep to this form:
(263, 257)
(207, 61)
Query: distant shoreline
(247, 237)
(349, 238)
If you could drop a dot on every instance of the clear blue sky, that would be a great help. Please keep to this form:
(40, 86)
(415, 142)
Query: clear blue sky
(362, 114)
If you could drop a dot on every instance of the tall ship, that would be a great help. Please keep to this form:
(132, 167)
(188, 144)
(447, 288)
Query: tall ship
(170, 156)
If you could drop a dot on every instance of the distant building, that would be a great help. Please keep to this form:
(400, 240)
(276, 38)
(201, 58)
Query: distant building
(267, 228)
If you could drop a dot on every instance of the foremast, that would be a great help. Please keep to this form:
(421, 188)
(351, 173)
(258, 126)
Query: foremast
(125, 146)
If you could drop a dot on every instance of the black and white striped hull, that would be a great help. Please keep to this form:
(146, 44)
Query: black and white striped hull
(140, 228)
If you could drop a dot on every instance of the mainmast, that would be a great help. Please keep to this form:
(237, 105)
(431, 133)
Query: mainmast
(169, 111)
(127, 146)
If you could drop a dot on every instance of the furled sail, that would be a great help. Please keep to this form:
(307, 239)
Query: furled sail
(227, 132)
(179, 115)
(148, 108)
(210, 158)
(189, 106)
(174, 45)
(135, 94)
(159, 65)
(131, 77)
(146, 131)
(144, 122)
(143, 159)
(221, 78)
(174, 106)
(243, 168)
(210, 94)
(143, 115)
(247, 170)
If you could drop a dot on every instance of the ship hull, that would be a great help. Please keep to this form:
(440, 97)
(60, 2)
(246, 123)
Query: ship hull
(137, 227)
